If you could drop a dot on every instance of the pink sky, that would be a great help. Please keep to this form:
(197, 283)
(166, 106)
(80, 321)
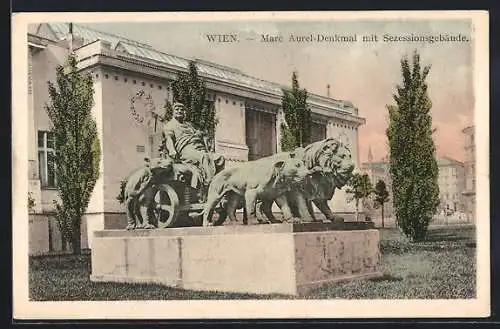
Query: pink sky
(364, 73)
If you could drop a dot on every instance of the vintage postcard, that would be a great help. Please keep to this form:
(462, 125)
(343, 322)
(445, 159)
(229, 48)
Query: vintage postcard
(251, 165)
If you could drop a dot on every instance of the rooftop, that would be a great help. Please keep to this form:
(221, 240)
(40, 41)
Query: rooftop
(441, 161)
(447, 161)
(61, 30)
(376, 165)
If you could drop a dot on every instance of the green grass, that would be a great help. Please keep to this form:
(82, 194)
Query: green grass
(442, 267)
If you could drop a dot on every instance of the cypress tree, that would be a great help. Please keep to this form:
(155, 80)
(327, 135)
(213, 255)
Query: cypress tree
(77, 149)
(413, 165)
(296, 130)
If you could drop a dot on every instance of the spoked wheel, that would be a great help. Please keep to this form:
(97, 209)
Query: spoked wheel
(166, 206)
(219, 216)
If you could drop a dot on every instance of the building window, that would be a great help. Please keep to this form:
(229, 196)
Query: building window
(318, 132)
(260, 134)
(46, 150)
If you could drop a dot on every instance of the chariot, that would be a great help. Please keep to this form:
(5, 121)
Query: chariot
(176, 199)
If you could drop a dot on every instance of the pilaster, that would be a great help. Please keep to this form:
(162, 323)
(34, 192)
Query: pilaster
(34, 187)
(279, 119)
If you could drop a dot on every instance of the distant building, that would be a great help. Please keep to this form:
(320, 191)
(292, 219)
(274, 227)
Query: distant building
(451, 181)
(469, 191)
(379, 170)
(451, 184)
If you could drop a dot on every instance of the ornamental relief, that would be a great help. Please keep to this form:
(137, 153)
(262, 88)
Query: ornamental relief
(144, 111)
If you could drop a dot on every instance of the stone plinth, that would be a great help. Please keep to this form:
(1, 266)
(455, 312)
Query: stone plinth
(279, 258)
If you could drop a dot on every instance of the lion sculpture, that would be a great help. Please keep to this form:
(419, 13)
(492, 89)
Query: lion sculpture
(262, 179)
(138, 189)
(331, 165)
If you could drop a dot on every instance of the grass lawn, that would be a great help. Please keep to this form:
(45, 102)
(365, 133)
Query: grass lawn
(442, 267)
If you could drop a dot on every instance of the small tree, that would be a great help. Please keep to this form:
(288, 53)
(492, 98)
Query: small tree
(191, 90)
(287, 141)
(381, 196)
(360, 188)
(413, 165)
(296, 130)
(77, 150)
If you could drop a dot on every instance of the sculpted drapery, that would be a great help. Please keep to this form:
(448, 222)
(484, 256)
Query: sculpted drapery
(183, 142)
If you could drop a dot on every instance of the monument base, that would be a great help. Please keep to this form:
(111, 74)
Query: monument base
(288, 259)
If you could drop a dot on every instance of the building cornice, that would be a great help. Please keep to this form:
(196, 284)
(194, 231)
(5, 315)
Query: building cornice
(468, 129)
(38, 40)
(99, 54)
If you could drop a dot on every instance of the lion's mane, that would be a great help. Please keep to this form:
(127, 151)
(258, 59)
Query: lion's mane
(332, 165)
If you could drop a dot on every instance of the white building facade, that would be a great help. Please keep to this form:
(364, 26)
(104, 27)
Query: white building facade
(131, 81)
(469, 191)
(451, 184)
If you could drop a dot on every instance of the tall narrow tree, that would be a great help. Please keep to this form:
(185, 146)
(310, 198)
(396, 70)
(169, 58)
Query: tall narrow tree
(381, 197)
(413, 166)
(191, 90)
(359, 187)
(77, 149)
(296, 129)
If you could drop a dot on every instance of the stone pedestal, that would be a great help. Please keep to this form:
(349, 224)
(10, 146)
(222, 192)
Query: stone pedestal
(286, 259)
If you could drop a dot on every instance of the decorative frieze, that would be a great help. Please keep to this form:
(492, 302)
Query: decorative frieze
(321, 105)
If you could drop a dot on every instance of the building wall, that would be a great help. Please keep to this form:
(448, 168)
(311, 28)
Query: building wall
(469, 192)
(96, 202)
(127, 125)
(43, 69)
(451, 184)
(230, 131)
(44, 235)
(34, 188)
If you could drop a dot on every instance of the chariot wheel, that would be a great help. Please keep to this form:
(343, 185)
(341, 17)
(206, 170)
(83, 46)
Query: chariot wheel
(166, 206)
(219, 216)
